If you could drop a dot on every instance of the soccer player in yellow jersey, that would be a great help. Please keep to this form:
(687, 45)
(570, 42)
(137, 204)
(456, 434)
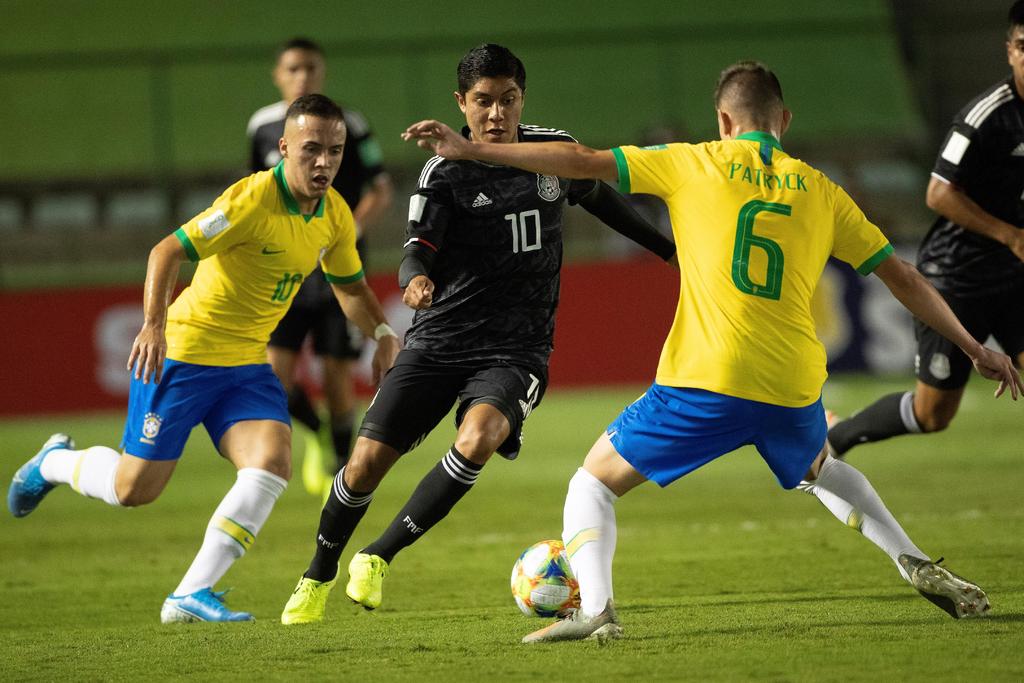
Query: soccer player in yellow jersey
(202, 359)
(741, 364)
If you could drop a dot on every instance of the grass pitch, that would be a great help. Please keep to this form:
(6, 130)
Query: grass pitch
(723, 576)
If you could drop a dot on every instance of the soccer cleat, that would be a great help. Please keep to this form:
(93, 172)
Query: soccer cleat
(365, 579)
(314, 477)
(577, 626)
(956, 595)
(203, 605)
(308, 602)
(28, 487)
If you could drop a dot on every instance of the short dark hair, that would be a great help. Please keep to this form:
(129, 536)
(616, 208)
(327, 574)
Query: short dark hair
(752, 89)
(299, 43)
(315, 105)
(1015, 17)
(490, 61)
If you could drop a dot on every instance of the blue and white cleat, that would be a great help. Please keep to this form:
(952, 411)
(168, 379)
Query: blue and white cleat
(203, 605)
(28, 488)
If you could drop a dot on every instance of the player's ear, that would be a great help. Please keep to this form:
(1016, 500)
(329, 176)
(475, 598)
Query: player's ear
(282, 147)
(461, 100)
(787, 118)
(724, 124)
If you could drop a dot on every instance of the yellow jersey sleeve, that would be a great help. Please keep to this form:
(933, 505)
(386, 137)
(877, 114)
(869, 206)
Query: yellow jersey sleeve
(225, 224)
(660, 170)
(340, 260)
(857, 240)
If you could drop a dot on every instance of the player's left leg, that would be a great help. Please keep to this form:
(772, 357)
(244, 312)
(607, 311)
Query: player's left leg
(850, 497)
(494, 404)
(249, 425)
(482, 430)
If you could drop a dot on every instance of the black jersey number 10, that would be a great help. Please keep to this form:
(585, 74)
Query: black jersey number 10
(525, 224)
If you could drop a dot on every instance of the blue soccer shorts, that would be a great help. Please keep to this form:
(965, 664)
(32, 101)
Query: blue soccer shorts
(669, 432)
(161, 416)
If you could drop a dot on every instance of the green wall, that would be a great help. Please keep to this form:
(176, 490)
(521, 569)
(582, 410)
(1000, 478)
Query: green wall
(122, 89)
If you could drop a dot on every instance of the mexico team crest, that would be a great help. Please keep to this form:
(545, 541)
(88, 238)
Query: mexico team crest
(151, 427)
(547, 187)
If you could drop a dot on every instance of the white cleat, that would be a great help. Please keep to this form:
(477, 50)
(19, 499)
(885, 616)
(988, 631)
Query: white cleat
(954, 594)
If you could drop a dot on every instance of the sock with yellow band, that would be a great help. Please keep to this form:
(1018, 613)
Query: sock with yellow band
(233, 528)
(90, 472)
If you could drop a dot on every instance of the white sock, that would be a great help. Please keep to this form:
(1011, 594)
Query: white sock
(91, 472)
(589, 534)
(850, 497)
(232, 529)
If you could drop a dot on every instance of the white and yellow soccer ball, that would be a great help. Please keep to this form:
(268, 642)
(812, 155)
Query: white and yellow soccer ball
(542, 581)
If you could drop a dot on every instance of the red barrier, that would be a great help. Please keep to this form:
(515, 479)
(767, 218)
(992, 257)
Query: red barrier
(65, 350)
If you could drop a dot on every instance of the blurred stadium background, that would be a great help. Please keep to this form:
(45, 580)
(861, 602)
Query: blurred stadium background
(123, 119)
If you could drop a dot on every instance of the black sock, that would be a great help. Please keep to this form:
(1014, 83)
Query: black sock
(341, 435)
(880, 420)
(300, 407)
(342, 512)
(433, 499)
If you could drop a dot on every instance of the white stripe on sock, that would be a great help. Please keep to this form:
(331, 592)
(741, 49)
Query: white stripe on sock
(458, 471)
(907, 413)
(345, 497)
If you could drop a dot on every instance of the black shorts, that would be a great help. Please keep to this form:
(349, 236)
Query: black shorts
(418, 392)
(333, 334)
(941, 364)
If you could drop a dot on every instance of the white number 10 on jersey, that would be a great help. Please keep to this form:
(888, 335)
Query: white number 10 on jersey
(521, 231)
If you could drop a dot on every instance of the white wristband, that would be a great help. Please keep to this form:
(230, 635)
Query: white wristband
(383, 330)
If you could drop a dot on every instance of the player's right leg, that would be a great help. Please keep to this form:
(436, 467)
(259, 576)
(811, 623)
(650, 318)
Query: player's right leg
(589, 532)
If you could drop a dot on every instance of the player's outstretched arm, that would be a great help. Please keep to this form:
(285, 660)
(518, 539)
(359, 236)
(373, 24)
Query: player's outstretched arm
(921, 299)
(953, 203)
(565, 159)
(613, 210)
(361, 306)
(150, 346)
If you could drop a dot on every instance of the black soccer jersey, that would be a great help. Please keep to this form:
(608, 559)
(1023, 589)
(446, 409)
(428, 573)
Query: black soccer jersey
(360, 164)
(983, 155)
(497, 234)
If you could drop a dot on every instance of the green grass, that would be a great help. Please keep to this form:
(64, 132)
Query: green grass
(723, 576)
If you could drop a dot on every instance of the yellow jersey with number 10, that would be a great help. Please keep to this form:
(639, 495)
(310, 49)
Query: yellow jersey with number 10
(254, 249)
(753, 229)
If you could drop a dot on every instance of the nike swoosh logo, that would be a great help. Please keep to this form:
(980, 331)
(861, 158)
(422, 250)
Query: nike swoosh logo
(268, 251)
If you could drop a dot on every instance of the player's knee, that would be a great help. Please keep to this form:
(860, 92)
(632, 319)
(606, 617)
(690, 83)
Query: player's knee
(477, 443)
(137, 493)
(935, 420)
(369, 462)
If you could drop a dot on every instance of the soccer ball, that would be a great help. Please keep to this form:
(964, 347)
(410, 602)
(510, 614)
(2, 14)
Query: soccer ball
(542, 581)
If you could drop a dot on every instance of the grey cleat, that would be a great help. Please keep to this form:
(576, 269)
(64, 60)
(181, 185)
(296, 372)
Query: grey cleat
(577, 626)
(954, 594)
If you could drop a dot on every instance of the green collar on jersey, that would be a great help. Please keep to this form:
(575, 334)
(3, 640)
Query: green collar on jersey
(289, 199)
(768, 142)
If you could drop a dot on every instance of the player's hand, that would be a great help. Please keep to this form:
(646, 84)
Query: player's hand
(437, 137)
(384, 357)
(999, 367)
(419, 293)
(148, 353)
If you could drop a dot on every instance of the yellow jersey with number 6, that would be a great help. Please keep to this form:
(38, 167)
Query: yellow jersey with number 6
(753, 229)
(254, 249)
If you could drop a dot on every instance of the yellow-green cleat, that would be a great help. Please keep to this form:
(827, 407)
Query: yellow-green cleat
(365, 578)
(308, 602)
